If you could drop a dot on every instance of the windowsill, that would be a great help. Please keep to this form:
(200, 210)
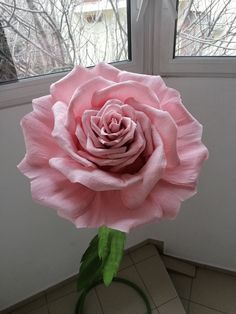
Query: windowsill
(23, 91)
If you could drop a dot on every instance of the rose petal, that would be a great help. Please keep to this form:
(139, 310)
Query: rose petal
(135, 150)
(147, 131)
(112, 103)
(95, 179)
(110, 153)
(111, 156)
(191, 151)
(82, 138)
(87, 130)
(63, 89)
(192, 154)
(82, 98)
(166, 127)
(176, 109)
(63, 137)
(37, 127)
(125, 136)
(108, 209)
(122, 91)
(151, 173)
(30, 168)
(54, 190)
(169, 197)
(155, 83)
(89, 127)
(107, 71)
(188, 171)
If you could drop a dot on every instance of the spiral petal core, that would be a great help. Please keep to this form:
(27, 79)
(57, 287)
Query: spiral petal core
(113, 148)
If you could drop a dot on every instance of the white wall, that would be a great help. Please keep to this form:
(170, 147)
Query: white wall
(205, 230)
(39, 249)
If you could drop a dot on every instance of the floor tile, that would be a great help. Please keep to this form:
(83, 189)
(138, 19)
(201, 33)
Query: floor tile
(200, 309)
(154, 312)
(172, 307)
(157, 280)
(174, 264)
(121, 299)
(42, 310)
(126, 262)
(31, 306)
(182, 284)
(60, 291)
(66, 305)
(143, 253)
(215, 290)
(185, 304)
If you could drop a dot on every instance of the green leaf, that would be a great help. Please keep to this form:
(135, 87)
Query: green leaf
(103, 236)
(90, 267)
(114, 258)
(90, 273)
(91, 249)
(102, 258)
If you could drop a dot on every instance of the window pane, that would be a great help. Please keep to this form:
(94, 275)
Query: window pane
(206, 28)
(48, 36)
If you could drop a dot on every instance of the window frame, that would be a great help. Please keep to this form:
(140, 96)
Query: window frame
(168, 65)
(23, 91)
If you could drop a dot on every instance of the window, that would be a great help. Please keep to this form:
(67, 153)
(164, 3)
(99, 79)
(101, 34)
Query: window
(200, 40)
(48, 36)
(206, 28)
(40, 40)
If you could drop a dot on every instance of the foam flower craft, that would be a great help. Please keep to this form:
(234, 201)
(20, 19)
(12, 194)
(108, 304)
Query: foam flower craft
(112, 148)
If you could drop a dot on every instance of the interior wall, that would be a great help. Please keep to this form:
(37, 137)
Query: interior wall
(39, 249)
(205, 230)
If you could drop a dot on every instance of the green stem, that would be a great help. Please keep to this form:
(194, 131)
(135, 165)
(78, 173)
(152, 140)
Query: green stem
(80, 303)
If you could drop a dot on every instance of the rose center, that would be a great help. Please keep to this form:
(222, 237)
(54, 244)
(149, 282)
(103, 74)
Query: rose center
(114, 126)
(111, 121)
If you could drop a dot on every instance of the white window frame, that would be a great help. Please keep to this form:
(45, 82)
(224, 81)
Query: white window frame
(167, 65)
(23, 91)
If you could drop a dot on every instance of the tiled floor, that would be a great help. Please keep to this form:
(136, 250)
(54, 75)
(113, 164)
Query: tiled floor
(185, 289)
(208, 292)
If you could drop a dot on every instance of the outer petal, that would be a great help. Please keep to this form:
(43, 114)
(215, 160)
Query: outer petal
(37, 127)
(169, 197)
(95, 179)
(107, 71)
(54, 190)
(166, 95)
(123, 91)
(173, 105)
(155, 83)
(63, 89)
(63, 137)
(192, 154)
(191, 150)
(108, 209)
(32, 170)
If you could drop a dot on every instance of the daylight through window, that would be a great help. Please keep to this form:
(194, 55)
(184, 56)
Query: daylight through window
(40, 37)
(206, 28)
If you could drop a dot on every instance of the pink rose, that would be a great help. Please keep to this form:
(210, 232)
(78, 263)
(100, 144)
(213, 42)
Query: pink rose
(113, 148)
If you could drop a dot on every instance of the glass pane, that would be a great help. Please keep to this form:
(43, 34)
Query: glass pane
(48, 36)
(206, 28)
